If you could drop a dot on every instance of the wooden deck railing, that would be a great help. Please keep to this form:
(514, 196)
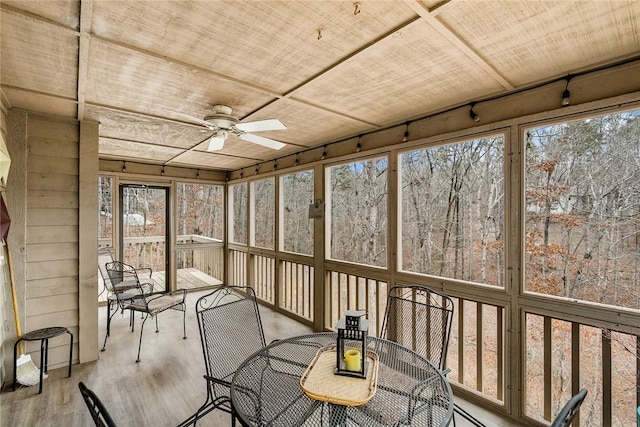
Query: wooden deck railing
(476, 348)
(603, 360)
(237, 267)
(192, 251)
(296, 288)
(292, 289)
(202, 253)
(351, 291)
(264, 280)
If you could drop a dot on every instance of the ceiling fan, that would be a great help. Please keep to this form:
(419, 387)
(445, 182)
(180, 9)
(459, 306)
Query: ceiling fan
(222, 123)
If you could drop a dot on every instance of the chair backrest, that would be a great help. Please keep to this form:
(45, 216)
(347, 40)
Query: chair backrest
(420, 319)
(571, 408)
(105, 257)
(230, 331)
(98, 411)
(120, 272)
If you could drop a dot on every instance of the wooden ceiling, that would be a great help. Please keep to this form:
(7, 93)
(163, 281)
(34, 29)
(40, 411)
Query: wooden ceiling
(329, 70)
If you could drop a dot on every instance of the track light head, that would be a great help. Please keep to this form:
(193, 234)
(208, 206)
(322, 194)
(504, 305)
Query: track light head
(566, 98)
(566, 95)
(473, 115)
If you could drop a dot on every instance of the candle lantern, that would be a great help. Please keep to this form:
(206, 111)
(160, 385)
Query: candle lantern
(351, 346)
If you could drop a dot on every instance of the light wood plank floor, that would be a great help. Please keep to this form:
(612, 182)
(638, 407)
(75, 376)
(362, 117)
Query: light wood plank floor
(162, 390)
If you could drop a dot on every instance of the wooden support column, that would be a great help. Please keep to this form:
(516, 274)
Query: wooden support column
(319, 237)
(88, 243)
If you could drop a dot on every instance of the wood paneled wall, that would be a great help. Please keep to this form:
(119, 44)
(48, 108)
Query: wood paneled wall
(52, 218)
(49, 225)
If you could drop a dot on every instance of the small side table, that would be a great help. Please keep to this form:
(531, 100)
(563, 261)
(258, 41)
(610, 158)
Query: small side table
(43, 335)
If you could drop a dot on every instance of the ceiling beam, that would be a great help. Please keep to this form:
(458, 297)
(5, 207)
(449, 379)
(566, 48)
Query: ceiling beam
(188, 65)
(86, 15)
(431, 17)
(177, 157)
(40, 93)
(137, 113)
(4, 102)
(10, 9)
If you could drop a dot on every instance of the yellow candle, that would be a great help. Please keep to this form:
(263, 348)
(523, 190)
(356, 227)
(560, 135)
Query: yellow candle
(352, 360)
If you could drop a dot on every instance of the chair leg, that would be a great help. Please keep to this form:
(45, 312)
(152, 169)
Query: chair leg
(473, 420)
(140, 342)
(203, 410)
(109, 317)
(184, 322)
(233, 416)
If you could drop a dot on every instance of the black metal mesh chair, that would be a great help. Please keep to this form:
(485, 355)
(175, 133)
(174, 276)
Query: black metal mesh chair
(139, 299)
(420, 318)
(124, 282)
(570, 409)
(123, 291)
(98, 411)
(230, 331)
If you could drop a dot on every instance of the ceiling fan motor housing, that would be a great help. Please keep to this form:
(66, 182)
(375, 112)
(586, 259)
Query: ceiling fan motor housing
(223, 121)
(221, 117)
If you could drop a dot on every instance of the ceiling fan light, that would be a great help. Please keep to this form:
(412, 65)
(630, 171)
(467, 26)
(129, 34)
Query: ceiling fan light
(217, 140)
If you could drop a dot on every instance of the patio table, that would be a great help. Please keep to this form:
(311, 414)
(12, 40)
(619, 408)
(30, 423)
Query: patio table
(266, 389)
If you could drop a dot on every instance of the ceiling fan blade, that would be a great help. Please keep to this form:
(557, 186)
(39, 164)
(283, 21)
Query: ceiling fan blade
(260, 125)
(261, 140)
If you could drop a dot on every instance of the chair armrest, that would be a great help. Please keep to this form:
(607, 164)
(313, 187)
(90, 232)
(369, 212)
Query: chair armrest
(147, 287)
(156, 295)
(217, 381)
(417, 402)
(148, 271)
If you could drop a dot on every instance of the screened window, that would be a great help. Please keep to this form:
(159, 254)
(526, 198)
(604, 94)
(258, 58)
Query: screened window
(105, 211)
(296, 191)
(200, 226)
(452, 211)
(582, 220)
(200, 210)
(238, 213)
(263, 193)
(358, 206)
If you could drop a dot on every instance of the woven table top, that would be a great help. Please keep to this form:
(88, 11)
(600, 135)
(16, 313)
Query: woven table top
(320, 382)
